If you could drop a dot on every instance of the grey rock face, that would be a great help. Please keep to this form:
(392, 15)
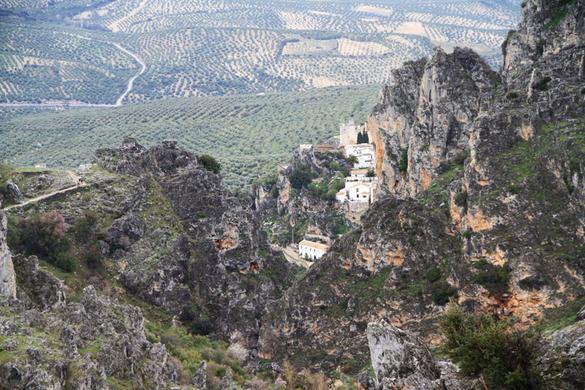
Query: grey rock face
(400, 360)
(80, 345)
(124, 231)
(37, 285)
(7, 275)
(214, 268)
(563, 358)
(199, 379)
(581, 314)
(14, 193)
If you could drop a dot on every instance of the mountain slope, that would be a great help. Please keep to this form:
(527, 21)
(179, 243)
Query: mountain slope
(489, 211)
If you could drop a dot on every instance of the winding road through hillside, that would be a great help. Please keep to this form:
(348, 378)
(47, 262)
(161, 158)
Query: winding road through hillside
(130, 83)
(78, 104)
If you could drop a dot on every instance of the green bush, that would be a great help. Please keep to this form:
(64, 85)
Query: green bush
(403, 163)
(442, 292)
(434, 274)
(461, 199)
(493, 277)
(482, 345)
(210, 163)
(300, 177)
(42, 235)
(542, 84)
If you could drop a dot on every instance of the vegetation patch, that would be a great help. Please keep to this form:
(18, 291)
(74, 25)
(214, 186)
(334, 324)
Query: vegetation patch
(486, 347)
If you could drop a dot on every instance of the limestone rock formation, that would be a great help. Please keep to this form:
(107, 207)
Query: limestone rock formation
(7, 276)
(79, 345)
(212, 266)
(485, 203)
(563, 358)
(400, 360)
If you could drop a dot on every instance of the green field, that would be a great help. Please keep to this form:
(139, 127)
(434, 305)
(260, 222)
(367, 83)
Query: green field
(249, 134)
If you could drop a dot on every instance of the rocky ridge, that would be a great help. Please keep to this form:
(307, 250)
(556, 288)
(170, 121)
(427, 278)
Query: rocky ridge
(484, 201)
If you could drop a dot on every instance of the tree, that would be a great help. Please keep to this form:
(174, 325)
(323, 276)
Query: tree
(210, 163)
(485, 346)
(300, 176)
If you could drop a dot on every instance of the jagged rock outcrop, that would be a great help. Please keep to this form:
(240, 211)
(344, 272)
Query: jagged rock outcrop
(93, 344)
(308, 211)
(544, 59)
(399, 360)
(402, 361)
(425, 117)
(562, 360)
(7, 276)
(212, 266)
(38, 287)
(499, 227)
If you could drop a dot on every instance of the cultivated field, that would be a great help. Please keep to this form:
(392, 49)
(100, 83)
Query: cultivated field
(249, 134)
(218, 47)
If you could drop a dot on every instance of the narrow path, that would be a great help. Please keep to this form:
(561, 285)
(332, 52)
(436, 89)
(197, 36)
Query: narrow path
(78, 184)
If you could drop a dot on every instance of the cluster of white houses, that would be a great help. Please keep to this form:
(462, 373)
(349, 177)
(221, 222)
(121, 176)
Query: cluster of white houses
(360, 187)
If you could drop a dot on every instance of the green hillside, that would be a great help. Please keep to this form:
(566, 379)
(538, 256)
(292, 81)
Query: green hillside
(249, 134)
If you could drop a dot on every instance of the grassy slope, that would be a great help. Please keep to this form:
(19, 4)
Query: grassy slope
(250, 134)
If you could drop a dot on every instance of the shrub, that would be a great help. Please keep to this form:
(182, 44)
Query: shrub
(352, 160)
(482, 345)
(371, 173)
(542, 84)
(442, 291)
(92, 256)
(493, 277)
(461, 199)
(43, 235)
(210, 163)
(403, 163)
(512, 96)
(300, 177)
(433, 274)
(85, 226)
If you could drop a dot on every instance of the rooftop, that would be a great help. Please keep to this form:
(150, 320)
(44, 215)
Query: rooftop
(316, 245)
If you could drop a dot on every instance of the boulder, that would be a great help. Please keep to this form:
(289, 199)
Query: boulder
(400, 360)
(7, 275)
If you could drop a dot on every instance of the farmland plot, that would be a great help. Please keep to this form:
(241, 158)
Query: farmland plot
(221, 47)
(249, 134)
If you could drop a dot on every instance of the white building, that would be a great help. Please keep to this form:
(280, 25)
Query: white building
(312, 250)
(364, 153)
(348, 133)
(357, 191)
(305, 147)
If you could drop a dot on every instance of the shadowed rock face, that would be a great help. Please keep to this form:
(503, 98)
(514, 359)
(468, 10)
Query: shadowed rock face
(217, 272)
(7, 277)
(500, 228)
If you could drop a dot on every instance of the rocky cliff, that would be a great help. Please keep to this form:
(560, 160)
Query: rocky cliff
(484, 181)
(214, 270)
(7, 276)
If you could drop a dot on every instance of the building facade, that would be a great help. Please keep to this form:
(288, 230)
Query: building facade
(312, 250)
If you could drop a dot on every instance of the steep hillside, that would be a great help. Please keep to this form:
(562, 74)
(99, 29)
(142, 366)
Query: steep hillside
(487, 207)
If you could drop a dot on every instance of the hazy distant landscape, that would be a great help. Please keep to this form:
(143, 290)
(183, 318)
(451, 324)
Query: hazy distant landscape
(66, 48)
(60, 54)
